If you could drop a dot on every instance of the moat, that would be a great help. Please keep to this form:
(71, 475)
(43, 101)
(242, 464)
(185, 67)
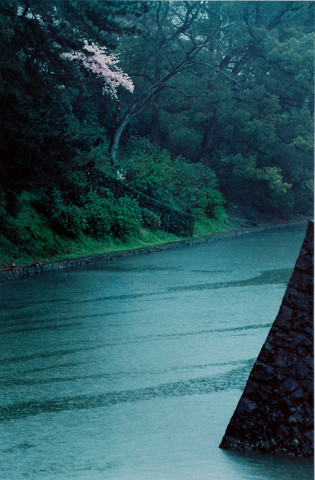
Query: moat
(132, 369)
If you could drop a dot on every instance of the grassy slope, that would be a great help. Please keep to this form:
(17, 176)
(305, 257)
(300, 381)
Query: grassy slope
(207, 226)
(37, 242)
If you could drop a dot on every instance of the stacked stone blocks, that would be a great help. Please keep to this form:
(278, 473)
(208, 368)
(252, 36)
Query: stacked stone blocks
(276, 410)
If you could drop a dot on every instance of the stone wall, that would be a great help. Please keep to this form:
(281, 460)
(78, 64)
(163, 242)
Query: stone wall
(172, 220)
(276, 410)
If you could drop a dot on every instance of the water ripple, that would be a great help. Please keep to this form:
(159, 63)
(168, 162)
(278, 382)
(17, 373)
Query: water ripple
(234, 379)
(14, 381)
(128, 341)
(35, 329)
(270, 277)
(280, 276)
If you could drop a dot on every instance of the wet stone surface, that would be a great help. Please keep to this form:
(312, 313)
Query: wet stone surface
(276, 412)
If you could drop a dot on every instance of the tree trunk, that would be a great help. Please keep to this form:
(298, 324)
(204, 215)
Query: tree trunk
(155, 119)
(208, 142)
(115, 140)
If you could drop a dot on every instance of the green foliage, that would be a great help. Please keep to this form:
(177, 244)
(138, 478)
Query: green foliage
(29, 231)
(147, 167)
(29, 238)
(127, 217)
(51, 113)
(191, 187)
(242, 115)
(66, 218)
(173, 220)
(69, 219)
(258, 188)
(99, 157)
(215, 204)
(251, 94)
(150, 219)
(195, 188)
(99, 214)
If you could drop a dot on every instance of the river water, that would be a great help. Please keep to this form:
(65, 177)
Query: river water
(132, 369)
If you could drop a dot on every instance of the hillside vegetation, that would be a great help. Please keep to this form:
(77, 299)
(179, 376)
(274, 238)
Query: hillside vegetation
(203, 107)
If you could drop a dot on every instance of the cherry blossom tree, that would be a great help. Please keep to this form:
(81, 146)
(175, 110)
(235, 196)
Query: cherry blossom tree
(97, 60)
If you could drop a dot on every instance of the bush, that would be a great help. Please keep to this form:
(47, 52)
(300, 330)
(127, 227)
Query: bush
(191, 187)
(100, 158)
(97, 215)
(69, 219)
(258, 189)
(193, 200)
(195, 188)
(100, 214)
(150, 219)
(147, 167)
(66, 218)
(127, 217)
(215, 202)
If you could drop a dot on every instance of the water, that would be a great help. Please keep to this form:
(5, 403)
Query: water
(131, 370)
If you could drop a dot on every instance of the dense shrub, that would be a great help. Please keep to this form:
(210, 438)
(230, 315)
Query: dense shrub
(191, 187)
(173, 219)
(127, 217)
(259, 189)
(99, 214)
(96, 213)
(215, 203)
(105, 215)
(98, 156)
(66, 217)
(69, 219)
(147, 167)
(150, 219)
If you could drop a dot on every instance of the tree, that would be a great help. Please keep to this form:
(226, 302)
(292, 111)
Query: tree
(227, 84)
(176, 47)
(248, 92)
(43, 127)
(97, 60)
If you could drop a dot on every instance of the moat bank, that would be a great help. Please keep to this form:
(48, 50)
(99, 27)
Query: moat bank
(18, 272)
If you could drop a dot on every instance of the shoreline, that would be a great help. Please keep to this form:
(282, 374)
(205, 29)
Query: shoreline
(31, 270)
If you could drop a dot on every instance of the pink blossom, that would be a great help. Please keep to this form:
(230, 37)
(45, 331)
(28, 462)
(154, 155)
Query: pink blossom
(104, 65)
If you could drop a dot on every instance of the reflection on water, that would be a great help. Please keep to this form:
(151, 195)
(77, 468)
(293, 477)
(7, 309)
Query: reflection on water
(281, 275)
(131, 370)
(254, 465)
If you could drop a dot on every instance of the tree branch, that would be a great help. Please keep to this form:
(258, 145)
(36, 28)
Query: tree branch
(221, 71)
(172, 87)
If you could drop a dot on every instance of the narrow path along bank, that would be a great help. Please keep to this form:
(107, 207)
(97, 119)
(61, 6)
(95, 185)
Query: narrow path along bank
(106, 257)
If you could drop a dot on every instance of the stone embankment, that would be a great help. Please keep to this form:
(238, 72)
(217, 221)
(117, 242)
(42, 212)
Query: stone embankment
(19, 272)
(276, 410)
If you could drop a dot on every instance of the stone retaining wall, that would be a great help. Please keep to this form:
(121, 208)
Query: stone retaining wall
(276, 410)
(172, 220)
